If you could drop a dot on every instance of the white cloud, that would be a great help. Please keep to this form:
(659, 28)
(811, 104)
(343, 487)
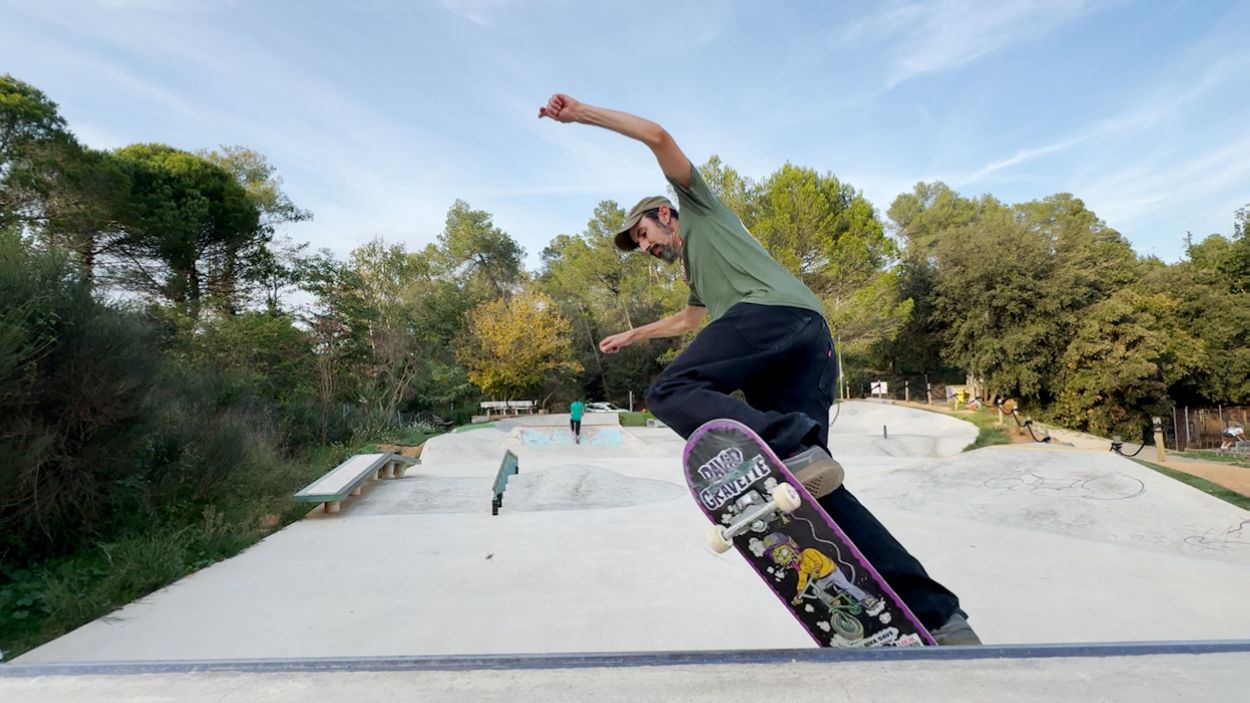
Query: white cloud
(1162, 102)
(474, 11)
(918, 39)
(166, 5)
(1135, 193)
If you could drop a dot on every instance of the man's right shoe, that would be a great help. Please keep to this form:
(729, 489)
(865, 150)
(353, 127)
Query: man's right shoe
(956, 631)
(819, 473)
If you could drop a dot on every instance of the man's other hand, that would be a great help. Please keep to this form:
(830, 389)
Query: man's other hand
(617, 342)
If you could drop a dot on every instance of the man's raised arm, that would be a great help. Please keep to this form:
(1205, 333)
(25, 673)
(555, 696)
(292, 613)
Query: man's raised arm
(673, 162)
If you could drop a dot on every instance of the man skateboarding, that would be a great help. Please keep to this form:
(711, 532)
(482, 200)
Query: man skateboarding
(767, 337)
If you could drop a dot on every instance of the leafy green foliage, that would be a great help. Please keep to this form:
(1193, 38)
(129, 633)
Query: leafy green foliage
(1126, 352)
(602, 290)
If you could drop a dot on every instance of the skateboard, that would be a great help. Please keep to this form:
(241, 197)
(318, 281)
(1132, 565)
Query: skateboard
(757, 506)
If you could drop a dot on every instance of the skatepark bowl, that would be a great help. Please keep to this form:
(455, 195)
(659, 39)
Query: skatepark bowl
(1087, 575)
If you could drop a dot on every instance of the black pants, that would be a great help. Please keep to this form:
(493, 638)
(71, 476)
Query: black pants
(782, 360)
(575, 426)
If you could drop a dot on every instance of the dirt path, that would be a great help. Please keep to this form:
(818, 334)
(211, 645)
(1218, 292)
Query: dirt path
(1234, 478)
(403, 450)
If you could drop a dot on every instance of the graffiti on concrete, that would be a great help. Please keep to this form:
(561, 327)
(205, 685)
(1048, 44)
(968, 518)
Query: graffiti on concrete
(1111, 487)
(1234, 537)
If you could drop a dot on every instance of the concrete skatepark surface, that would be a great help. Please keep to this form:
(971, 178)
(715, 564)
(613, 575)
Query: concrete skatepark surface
(599, 548)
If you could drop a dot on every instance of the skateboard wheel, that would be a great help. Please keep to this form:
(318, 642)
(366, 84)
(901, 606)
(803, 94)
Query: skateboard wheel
(717, 540)
(786, 498)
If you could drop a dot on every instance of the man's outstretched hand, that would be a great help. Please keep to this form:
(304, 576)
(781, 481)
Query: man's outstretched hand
(559, 108)
(617, 342)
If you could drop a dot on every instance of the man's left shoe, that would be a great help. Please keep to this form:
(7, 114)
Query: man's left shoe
(819, 473)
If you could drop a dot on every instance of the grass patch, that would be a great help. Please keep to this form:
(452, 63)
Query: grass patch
(989, 432)
(478, 426)
(406, 437)
(48, 599)
(1216, 457)
(413, 436)
(1211, 489)
(629, 419)
(53, 598)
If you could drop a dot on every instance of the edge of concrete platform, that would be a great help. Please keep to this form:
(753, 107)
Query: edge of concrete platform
(621, 659)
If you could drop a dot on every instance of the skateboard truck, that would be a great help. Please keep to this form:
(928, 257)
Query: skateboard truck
(784, 500)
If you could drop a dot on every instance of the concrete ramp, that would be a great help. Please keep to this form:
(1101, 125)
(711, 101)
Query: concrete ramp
(585, 487)
(600, 549)
(1095, 496)
(864, 429)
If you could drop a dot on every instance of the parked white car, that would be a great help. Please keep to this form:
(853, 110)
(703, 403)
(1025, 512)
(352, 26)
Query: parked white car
(603, 408)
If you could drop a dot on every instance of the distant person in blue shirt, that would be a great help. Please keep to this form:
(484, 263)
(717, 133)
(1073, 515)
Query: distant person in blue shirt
(576, 408)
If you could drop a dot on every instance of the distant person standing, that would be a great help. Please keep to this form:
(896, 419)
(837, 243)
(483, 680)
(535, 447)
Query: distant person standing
(1232, 435)
(576, 408)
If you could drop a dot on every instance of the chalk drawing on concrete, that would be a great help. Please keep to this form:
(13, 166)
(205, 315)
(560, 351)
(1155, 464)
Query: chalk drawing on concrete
(1216, 540)
(1113, 487)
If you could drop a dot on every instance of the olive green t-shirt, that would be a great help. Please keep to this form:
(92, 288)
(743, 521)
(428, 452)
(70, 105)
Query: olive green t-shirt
(724, 264)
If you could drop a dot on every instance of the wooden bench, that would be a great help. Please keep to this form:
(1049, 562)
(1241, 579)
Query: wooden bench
(507, 467)
(348, 478)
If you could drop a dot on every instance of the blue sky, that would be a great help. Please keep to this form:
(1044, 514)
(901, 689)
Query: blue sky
(379, 114)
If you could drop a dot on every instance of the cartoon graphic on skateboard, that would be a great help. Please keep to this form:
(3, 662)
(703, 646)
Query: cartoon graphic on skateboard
(756, 505)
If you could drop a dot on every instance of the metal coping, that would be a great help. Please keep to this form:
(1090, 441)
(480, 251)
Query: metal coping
(496, 662)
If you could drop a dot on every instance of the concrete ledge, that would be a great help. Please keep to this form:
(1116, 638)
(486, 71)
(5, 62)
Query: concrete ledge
(348, 478)
(1196, 671)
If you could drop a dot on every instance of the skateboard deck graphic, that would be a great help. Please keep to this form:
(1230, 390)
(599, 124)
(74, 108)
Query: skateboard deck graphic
(758, 507)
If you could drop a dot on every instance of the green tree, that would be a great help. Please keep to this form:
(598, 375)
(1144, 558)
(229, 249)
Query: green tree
(479, 255)
(76, 385)
(1125, 354)
(919, 220)
(1092, 260)
(737, 192)
(601, 291)
(922, 218)
(1236, 264)
(84, 206)
(188, 221)
(828, 234)
(997, 311)
(27, 118)
(1214, 309)
(268, 269)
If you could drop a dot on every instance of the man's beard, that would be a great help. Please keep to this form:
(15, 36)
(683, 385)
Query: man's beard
(667, 253)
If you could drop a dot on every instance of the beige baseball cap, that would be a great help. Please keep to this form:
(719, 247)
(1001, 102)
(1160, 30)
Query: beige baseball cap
(623, 241)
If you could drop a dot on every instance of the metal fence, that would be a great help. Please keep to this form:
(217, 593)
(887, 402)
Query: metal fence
(916, 390)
